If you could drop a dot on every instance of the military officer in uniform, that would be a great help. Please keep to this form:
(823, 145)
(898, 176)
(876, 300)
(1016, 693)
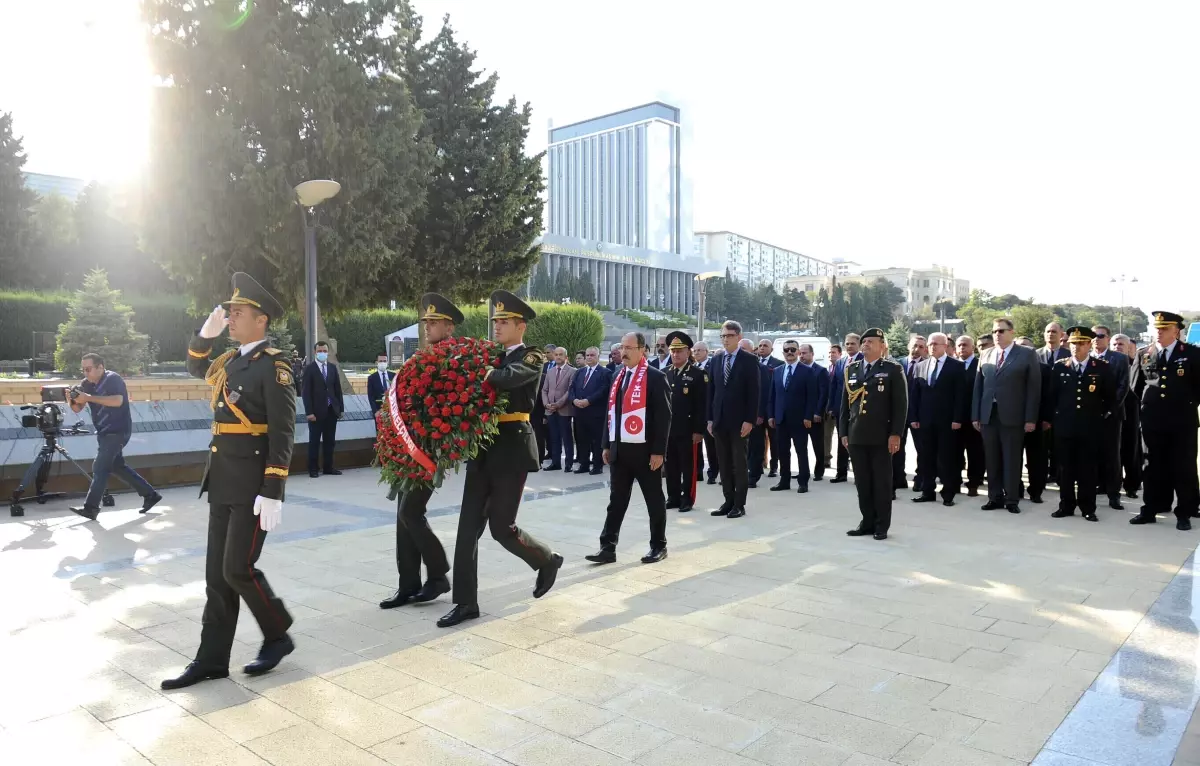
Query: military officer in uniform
(1082, 394)
(415, 540)
(689, 419)
(496, 478)
(254, 423)
(874, 411)
(1169, 421)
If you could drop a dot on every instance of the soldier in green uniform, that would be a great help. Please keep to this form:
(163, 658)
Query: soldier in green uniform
(689, 420)
(415, 540)
(1082, 394)
(254, 424)
(1169, 421)
(873, 416)
(496, 478)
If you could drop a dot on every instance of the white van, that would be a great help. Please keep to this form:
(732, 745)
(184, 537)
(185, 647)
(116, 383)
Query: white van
(820, 347)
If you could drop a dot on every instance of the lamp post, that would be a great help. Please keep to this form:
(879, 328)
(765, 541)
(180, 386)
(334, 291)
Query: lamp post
(819, 305)
(309, 194)
(701, 279)
(1121, 309)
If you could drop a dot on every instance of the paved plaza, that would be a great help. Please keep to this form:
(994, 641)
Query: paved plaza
(966, 639)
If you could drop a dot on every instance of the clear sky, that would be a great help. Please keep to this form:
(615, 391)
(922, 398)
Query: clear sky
(1037, 147)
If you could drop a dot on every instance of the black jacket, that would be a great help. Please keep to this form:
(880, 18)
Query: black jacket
(736, 402)
(658, 414)
(376, 389)
(942, 403)
(1081, 402)
(322, 397)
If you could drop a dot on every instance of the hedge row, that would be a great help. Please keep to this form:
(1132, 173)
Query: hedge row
(169, 323)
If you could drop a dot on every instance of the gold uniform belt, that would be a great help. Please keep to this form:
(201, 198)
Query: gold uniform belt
(252, 429)
(515, 417)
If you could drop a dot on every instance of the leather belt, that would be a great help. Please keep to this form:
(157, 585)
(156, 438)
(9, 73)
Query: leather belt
(515, 417)
(225, 429)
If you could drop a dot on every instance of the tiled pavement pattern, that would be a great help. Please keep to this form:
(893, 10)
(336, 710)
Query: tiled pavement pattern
(963, 640)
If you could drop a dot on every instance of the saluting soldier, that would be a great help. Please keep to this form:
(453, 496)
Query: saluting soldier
(253, 428)
(689, 399)
(415, 540)
(1082, 393)
(874, 411)
(1169, 423)
(496, 477)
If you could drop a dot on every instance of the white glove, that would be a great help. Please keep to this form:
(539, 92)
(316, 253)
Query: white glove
(215, 324)
(268, 511)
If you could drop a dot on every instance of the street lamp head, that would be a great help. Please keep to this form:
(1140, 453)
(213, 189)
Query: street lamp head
(313, 193)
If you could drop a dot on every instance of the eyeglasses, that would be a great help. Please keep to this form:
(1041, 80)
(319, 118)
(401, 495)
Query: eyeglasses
(86, 370)
(729, 335)
(791, 351)
(1101, 335)
(1000, 331)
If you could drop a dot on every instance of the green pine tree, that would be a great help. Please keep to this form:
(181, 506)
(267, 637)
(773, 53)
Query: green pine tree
(896, 336)
(542, 286)
(585, 291)
(98, 322)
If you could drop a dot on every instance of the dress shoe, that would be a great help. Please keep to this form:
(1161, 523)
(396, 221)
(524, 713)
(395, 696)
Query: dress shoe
(1183, 525)
(838, 480)
(401, 597)
(712, 479)
(1115, 504)
(753, 484)
(602, 557)
(332, 472)
(85, 512)
(818, 478)
(1131, 495)
(780, 487)
(150, 501)
(860, 532)
(547, 575)
(654, 556)
(925, 499)
(893, 494)
(314, 475)
(596, 471)
(432, 588)
(460, 613)
(1012, 508)
(569, 468)
(772, 474)
(972, 491)
(722, 511)
(672, 504)
(270, 655)
(880, 535)
(1062, 513)
(582, 469)
(736, 513)
(992, 505)
(803, 488)
(686, 508)
(1090, 517)
(193, 674)
(947, 502)
(553, 468)
(1144, 518)
(1035, 499)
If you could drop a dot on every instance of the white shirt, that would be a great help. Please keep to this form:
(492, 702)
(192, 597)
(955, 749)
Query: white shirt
(246, 348)
(1169, 349)
(968, 360)
(510, 348)
(937, 366)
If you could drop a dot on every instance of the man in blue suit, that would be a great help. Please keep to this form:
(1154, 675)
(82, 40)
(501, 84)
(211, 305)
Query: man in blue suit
(761, 436)
(837, 389)
(794, 401)
(378, 383)
(589, 393)
(816, 434)
(732, 410)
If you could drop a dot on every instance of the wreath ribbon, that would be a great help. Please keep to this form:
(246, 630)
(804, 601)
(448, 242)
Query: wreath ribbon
(398, 423)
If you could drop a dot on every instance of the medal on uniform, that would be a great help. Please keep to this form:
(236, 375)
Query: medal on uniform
(1179, 372)
(685, 390)
(879, 388)
(232, 396)
(1092, 388)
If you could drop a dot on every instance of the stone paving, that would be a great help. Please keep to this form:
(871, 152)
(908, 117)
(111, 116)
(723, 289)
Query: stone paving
(964, 640)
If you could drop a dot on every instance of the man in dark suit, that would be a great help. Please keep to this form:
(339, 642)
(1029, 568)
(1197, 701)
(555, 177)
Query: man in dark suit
(1110, 450)
(702, 359)
(732, 410)
(837, 389)
(972, 440)
(918, 350)
(589, 394)
(1006, 406)
(761, 436)
(793, 402)
(378, 383)
(1054, 350)
(635, 444)
(661, 359)
(938, 411)
(816, 434)
(1036, 441)
(1131, 430)
(323, 406)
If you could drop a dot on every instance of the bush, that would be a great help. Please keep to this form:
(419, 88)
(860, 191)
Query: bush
(571, 326)
(23, 313)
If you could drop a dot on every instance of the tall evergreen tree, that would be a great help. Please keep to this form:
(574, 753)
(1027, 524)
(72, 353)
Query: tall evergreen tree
(98, 321)
(542, 286)
(17, 258)
(585, 291)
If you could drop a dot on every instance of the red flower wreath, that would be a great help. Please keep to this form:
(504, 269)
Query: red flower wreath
(438, 413)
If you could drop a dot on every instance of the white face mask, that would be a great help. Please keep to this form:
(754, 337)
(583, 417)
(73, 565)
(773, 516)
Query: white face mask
(381, 365)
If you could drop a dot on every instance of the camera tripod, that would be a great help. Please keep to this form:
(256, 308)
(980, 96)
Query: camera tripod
(38, 471)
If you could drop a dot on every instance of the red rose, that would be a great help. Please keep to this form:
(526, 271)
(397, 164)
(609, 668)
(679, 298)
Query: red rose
(445, 428)
(465, 426)
(429, 401)
(454, 364)
(457, 409)
(436, 422)
(464, 397)
(484, 416)
(455, 456)
(446, 412)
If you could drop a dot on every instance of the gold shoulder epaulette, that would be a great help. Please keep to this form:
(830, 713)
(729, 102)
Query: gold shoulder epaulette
(272, 351)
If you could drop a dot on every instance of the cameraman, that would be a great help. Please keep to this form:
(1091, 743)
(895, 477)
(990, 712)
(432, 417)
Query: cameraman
(105, 394)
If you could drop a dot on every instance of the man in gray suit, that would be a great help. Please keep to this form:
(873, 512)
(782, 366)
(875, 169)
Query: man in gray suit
(1004, 408)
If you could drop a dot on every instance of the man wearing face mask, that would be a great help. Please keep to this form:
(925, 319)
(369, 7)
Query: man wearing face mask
(378, 383)
(323, 407)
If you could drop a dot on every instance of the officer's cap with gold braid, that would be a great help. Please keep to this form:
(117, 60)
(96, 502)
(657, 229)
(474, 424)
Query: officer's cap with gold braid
(679, 339)
(873, 332)
(1080, 334)
(505, 305)
(439, 307)
(248, 292)
(1164, 319)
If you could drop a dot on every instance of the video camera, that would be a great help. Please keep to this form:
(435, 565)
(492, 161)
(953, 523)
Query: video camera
(47, 417)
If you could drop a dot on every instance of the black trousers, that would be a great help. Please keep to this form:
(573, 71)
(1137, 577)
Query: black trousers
(731, 456)
(842, 466)
(939, 456)
(628, 463)
(816, 437)
(756, 450)
(710, 451)
(899, 479)
(1036, 462)
(1077, 472)
(973, 446)
(1109, 458)
(1171, 472)
(538, 419)
(588, 433)
(682, 469)
(235, 542)
(786, 437)
(491, 499)
(415, 541)
(322, 438)
(1131, 450)
(873, 481)
(1051, 456)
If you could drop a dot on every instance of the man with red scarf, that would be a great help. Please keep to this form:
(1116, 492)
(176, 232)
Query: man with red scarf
(634, 445)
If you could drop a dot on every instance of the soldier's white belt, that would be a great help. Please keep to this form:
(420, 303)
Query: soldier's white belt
(225, 429)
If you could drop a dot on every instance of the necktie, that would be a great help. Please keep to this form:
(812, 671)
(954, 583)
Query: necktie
(933, 378)
(1000, 361)
(728, 365)
(587, 377)
(787, 376)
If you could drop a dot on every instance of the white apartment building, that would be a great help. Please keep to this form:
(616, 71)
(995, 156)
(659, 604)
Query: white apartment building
(847, 268)
(756, 263)
(922, 287)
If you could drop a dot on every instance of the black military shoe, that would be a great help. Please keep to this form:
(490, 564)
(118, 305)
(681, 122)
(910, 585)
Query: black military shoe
(602, 557)
(838, 480)
(332, 472)
(547, 575)
(432, 589)
(85, 512)
(1062, 513)
(150, 501)
(686, 508)
(736, 513)
(271, 654)
(722, 511)
(654, 556)
(947, 502)
(859, 532)
(924, 498)
(1036, 499)
(401, 597)
(880, 535)
(1115, 503)
(582, 469)
(193, 674)
(672, 504)
(1012, 508)
(780, 487)
(992, 505)
(712, 479)
(1090, 517)
(1183, 525)
(972, 491)
(460, 613)
(1144, 518)
(802, 489)
(1132, 495)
